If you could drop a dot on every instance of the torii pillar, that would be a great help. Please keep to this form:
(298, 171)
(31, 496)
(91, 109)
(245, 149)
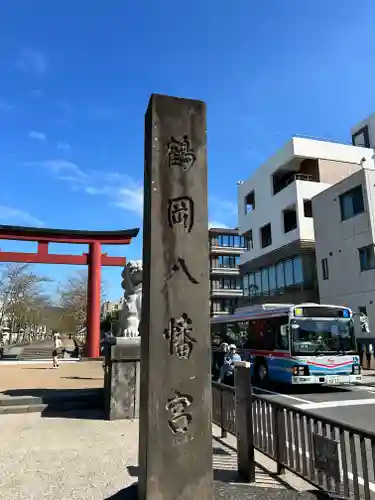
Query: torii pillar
(93, 299)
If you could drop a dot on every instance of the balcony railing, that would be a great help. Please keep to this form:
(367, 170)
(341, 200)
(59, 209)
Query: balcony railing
(279, 186)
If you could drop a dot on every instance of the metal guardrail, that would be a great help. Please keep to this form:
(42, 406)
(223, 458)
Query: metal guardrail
(332, 456)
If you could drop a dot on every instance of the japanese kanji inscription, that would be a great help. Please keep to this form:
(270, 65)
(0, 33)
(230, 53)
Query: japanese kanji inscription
(181, 265)
(179, 334)
(181, 418)
(181, 212)
(180, 153)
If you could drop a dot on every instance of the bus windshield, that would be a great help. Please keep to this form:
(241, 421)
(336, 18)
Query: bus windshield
(322, 336)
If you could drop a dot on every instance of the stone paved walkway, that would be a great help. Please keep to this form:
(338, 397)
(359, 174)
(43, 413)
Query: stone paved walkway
(79, 375)
(85, 459)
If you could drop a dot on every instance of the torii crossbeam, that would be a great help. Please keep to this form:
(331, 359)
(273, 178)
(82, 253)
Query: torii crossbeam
(94, 259)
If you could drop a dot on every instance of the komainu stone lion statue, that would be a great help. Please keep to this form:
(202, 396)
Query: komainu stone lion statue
(130, 314)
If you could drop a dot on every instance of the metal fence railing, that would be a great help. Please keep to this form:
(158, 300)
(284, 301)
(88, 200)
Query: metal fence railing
(333, 456)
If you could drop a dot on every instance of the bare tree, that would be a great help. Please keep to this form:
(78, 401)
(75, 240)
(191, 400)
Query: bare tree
(73, 301)
(22, 300)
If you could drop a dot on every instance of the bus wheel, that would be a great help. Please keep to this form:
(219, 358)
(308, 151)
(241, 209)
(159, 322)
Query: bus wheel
(262, 374)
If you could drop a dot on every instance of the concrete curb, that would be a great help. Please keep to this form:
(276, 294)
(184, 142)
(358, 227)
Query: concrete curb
(288, 479)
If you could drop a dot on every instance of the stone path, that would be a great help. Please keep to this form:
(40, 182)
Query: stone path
(79, 375)
(82, 458)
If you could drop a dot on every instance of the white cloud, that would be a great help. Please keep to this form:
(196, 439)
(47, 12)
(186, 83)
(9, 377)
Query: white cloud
(65, 170)
(216, 224)
(38, 136)
(130, 199)
(9, 215)
(32, 61)
(63, 146)
(5, 106)
(121, 190)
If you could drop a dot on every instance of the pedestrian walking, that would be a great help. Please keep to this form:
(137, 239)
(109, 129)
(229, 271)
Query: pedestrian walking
(56, 346)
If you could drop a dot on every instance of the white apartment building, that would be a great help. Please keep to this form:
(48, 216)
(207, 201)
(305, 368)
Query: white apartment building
(275, 214)
(344, 221)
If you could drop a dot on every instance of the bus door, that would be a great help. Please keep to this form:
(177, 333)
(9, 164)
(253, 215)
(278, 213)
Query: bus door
(276, 337)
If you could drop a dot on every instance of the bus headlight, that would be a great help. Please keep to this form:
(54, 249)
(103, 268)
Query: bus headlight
(356, 370)
(300, 370)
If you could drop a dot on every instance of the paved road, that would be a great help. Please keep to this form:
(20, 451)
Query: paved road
(351, 405)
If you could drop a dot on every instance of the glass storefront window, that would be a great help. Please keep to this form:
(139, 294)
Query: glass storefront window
(265, 283)
(272, 278)
(280, 278)
(258, 284)
(297, 269)
(288, 266)
(245, 284)
(251, 283)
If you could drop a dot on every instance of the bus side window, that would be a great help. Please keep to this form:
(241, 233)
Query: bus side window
(270, 333)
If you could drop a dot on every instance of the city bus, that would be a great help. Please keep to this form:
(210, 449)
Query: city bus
(294, 344)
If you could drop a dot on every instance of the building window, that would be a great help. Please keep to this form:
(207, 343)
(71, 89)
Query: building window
(367, 258)
(215, 241)
(228, 284)
(252, 286)
(288, 269)
(248, 240)
(307, 208)
(245, 285)
(290, 219)
(297, 271)
(249, 202)
(351, 203)
(325, 272)
(265, 282)
(361, 138)
(280, 277)
(274, 279)
(266, 236)
(228, 261)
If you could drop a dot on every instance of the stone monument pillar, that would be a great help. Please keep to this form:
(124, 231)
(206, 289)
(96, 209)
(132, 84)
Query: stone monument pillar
(175, 446)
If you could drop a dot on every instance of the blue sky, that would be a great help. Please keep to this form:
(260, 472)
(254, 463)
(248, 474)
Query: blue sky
(76, 77)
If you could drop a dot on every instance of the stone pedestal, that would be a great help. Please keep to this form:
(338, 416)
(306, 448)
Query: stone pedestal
(121, 379)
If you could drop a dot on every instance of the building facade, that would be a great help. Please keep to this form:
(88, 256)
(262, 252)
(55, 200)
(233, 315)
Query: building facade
(110, 306)
(345, 242)
(275, 216)
(226, 246)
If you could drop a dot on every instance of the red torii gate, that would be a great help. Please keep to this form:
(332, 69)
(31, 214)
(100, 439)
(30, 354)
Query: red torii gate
(94, 259)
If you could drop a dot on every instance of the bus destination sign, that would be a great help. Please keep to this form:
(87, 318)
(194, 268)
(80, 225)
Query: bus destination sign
(321, 312)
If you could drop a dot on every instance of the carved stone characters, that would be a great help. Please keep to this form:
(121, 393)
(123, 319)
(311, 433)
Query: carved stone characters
(130, 314)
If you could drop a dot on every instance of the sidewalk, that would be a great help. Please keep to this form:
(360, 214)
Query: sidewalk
(368, 378)
(90, 459)
(77, 375)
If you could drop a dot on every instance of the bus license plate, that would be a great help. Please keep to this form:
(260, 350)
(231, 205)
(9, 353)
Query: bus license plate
(332, 380)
